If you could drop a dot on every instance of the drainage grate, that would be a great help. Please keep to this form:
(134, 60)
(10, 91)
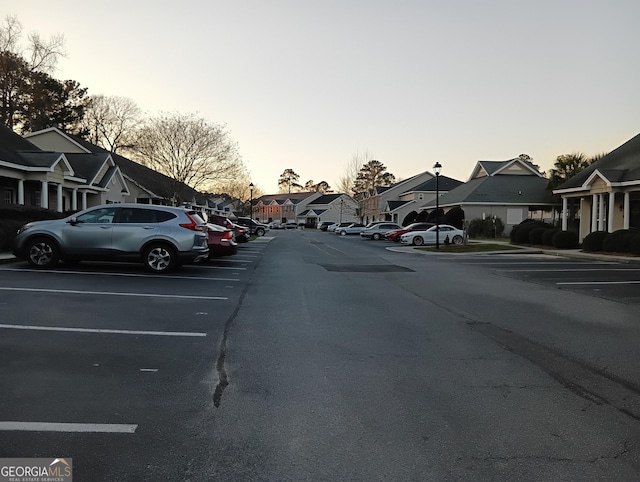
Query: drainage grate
(366, 268)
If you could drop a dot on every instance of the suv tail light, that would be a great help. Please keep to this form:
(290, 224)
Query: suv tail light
(193, 225)
(228, 235)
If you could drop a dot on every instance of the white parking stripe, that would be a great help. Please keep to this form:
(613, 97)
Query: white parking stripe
(565, 270)
(221, 267)
(68, 427)
(114, 293)
(599, 283)
(102, 330)
(127, 275)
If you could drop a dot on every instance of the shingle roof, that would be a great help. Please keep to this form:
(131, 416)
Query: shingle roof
(621, 164)
(147, 178)
(326, 198)
(17, 150)
(444, 184)
(498, 189)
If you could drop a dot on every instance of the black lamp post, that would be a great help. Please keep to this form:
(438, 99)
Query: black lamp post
(437, 167)
(251, 202)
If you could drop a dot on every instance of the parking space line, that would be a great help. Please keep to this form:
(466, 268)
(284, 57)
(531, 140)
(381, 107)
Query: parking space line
(67, 427)
(103, 331)
(115, 293)
(565, 270)
(599, 283)
(222, 267)
(128, 275)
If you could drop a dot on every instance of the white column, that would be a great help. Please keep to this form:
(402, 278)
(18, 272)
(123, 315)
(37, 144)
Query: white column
(21, 192)
(59, 198)
(594, 213)
(565, 213)
(84, 199)
(600, 212)
(74, 199)
(626, 210)
(44, 194)
(612, 206)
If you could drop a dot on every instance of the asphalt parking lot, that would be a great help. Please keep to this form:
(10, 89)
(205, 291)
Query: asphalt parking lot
(90, 350)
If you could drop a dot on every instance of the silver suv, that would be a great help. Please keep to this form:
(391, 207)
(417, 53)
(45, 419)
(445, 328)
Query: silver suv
(161, 237)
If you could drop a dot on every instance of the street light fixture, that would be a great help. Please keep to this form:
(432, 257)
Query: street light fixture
(437, 167)
(251, 202)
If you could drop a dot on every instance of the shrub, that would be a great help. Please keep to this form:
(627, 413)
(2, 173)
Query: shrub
(593, 241)
(485, 228)
(535, 235)
(566, 240)
(618, 241)
(634, 244)
(455, 217)
(547, 236)
(14, 216)
(522, 235)
(410, 218)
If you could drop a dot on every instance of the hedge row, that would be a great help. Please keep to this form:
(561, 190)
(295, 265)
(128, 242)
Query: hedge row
(621, 241)
(12, 217)
(543, 234)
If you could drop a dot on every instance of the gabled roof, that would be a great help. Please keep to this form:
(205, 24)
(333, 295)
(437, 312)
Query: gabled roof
(294, 197)
(444, 184)
(522, 190)
(326, 199)
(494, 168)
(393, 205)
(622, 165)
(22, 154)
(146, 178)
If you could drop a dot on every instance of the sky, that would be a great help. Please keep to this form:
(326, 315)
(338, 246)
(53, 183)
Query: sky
(307, 84)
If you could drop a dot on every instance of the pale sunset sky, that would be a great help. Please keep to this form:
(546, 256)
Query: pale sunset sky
(306, 85)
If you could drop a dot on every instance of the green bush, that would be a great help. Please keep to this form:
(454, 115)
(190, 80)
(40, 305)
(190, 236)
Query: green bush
(566, 240)
(535, 235)
(618, 241)
(593, 241)
(455, 217)
(410, 218)
(547, 236)
(634, 244)
(12, 217)
(485, 228)
(522, 235)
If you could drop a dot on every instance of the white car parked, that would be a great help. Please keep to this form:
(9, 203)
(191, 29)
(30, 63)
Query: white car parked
(418, 238)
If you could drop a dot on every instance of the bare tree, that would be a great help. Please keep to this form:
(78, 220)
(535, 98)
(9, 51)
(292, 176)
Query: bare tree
(352, 169)
(111, 121)
(42, 55)
(188, 149)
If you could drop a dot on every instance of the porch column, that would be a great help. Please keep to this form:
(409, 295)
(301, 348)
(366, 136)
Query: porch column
(600, 212)
(21, 192)
(626, 210)
(84, 199)
(59, 198)
(44, 194)
(612, 206)
(74, 199)
(594, 213)
(565, 213)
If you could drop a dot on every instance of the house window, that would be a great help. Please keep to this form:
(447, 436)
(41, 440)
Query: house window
(8, 196)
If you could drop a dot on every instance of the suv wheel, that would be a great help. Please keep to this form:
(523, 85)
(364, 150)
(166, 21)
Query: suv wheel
(260, 231)
(159, 258)
(376, 236)
(42, 253)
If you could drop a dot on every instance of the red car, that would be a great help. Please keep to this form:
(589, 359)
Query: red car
(221, 241)
(395, 235)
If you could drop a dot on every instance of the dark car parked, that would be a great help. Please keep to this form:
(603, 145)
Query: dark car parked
(254, 226)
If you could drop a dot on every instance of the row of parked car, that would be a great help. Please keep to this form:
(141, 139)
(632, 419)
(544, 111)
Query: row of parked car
(416, 234)
(160, 237)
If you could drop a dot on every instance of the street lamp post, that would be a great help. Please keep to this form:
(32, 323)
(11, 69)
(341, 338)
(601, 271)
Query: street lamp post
(251, 201)
(437, 167)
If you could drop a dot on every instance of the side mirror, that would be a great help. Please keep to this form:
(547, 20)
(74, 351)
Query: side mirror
(73, 221)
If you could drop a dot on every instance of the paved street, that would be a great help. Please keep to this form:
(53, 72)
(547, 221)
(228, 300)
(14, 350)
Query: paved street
(310, 356)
